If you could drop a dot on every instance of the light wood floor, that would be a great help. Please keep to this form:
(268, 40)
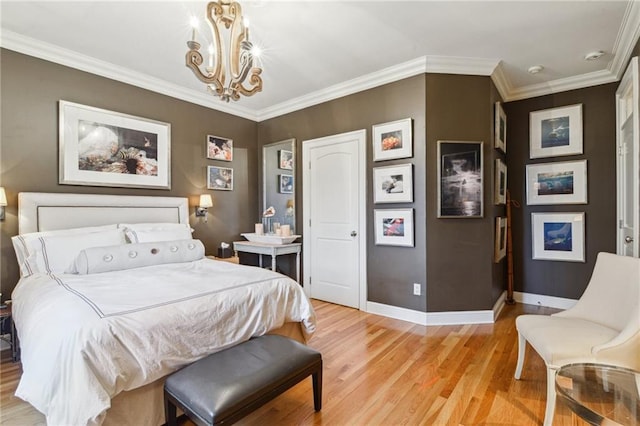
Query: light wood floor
(380, 371)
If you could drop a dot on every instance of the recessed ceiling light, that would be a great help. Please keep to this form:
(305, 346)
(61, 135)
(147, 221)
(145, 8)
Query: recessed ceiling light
(535, 69)
(592, 56)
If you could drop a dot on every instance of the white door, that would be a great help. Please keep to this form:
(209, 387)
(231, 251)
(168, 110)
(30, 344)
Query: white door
(628, 162)
(333, 210)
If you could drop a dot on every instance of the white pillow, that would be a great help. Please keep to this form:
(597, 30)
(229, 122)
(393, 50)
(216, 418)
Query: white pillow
(152, 232)
(120, 257)
(58, 252)
(27, 245)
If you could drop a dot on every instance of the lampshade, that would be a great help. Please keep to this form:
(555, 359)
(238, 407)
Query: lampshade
(3, 197)
(206, 201)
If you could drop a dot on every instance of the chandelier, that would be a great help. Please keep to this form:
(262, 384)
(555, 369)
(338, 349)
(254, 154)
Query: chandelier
(231, 59)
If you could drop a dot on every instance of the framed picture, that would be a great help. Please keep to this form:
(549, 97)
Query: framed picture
(558, 236)
(554, 132)
(460, 192)
(219, 148)
(286, 184)
(394, 227)
(106, 148)
(285, 159)
(392, 140)
(557, 183)
(500, 191)
(393, 184)
(220, 178)
(500, 250)
(500, 131)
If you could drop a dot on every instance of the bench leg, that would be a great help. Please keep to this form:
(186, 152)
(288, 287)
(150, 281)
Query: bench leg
(170, 414)
(317, 389)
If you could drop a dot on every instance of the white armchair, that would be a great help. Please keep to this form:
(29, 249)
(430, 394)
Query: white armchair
(603, 326)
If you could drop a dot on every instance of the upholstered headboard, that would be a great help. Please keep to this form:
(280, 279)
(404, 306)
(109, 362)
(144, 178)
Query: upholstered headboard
(48, 211)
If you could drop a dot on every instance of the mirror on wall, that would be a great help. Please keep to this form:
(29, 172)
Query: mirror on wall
(278, 177)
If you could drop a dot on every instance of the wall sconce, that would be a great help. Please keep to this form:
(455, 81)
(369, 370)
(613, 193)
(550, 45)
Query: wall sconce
(205, 203)
(3, 202)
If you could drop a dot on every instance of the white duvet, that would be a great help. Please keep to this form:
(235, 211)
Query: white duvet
(86, 338)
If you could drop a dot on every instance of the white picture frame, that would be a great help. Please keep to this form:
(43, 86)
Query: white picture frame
(219, 148)
(500, 182)
(500, 242)
(500, 129)
(392, 140)
(219, 178)
(393, 184)
(558, 236)
(555, 132)
(562, 182)
(98, 147)
(393, 227)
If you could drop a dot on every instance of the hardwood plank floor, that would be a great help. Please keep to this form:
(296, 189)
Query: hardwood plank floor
(381, 371)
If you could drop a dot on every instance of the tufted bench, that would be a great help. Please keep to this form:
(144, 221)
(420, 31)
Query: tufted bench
(226, 386)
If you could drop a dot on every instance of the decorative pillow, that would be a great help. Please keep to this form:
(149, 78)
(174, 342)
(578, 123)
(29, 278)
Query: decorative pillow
(120, 257)
(152, 232)
(28, 245)
(58, 252)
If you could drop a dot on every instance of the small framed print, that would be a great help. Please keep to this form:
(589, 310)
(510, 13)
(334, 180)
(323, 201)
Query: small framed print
(557, 183)
(220, 178)
(285, 159)
(393, 184)
(286, 184)
(500, 250)
(500, 128)
(393, 227)
(392, 140)
(555, 132)
(460, 186)
(219, 148)
(500, 191)
(558, 236)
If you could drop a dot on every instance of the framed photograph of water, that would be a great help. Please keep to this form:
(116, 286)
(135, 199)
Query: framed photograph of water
(460, 186)
(555, 132)
(557, 183)
(558, 236)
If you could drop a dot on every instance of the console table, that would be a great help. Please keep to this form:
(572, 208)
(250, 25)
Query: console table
(270, 249)
(600, 394)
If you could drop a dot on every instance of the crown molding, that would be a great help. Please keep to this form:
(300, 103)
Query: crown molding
(69, 58)
(425, 64)
(628, 36)
(501, 81)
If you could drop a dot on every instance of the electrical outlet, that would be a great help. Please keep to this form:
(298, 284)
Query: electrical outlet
(416, 289)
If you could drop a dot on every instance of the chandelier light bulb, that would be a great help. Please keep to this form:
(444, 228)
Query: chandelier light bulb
(194, 26)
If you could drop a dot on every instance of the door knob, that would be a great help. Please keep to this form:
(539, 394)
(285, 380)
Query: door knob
(354, 233)
(628, 239)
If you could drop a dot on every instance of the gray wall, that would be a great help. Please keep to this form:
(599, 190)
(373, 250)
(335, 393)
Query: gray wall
(31, 89)
(391, 271)
(565, 279)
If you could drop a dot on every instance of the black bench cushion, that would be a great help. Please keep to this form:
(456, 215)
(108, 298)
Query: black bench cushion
(226, 381)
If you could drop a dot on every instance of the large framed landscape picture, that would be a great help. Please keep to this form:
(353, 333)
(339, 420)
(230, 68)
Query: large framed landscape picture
(555, 132)
(105, 148)
(558, 236)
(460, 184)
(557, 183)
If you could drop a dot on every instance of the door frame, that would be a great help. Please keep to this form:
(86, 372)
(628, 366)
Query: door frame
(628, 81)
(307, 145)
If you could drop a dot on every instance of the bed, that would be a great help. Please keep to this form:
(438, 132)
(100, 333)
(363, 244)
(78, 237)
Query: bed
(115, 294)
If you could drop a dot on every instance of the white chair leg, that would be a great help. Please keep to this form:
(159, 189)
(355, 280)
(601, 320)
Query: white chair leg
(551, 397)
(522, 346)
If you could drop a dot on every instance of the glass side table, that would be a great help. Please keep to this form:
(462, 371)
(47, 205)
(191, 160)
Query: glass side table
(601, 394)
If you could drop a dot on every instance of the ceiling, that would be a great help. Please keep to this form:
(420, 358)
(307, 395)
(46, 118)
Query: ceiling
(315, 51)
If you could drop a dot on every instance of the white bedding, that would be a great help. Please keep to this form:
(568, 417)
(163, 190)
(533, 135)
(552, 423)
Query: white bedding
(86, 338)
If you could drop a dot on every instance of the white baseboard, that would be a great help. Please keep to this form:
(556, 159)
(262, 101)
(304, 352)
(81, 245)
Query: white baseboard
(438, 318)
(542, 300)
